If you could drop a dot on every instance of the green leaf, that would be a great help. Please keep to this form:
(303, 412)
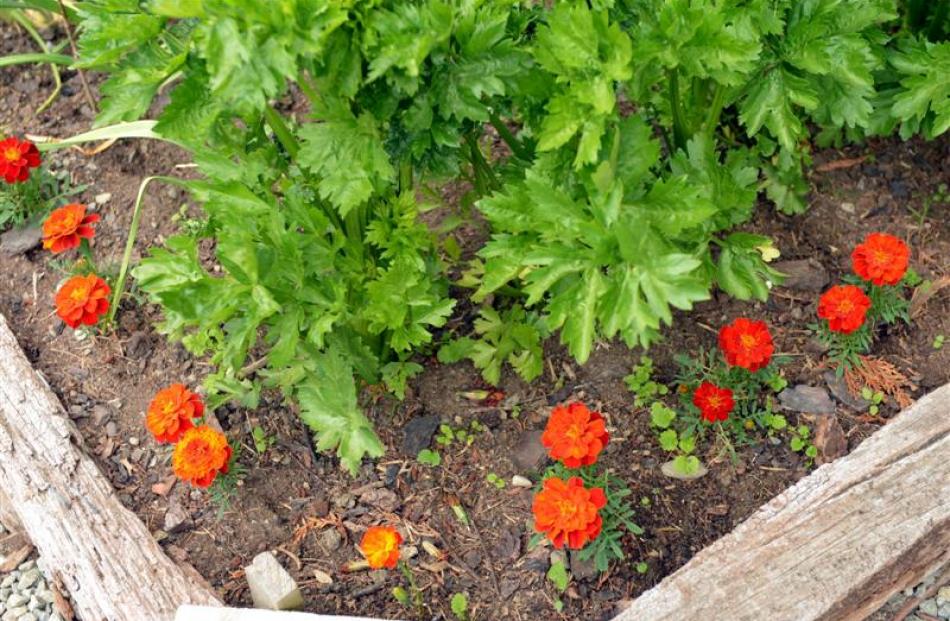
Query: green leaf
(429, 457)
(558, 576)
(669, 440)
(328, 406)
(396, 376)
(348, 154)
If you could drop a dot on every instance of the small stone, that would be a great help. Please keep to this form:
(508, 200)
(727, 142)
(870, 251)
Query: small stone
(112, 430)
(34, 603)
(807, 399)
(943, 595)
(55, 617)
(528, 453)
(380, 498)
(345, 500)
(944, 611)
(8, 580)
(330, 539)
(102, 199)
(176, 518)
(134, 441)
(847, 207)
(271, 585)
(28, 579)
(100, 414)
(417, 434)
(322, 577)
(803, 274)
(16, 600)
(18, 241)
(520, 481)
(839, 388)
(29, 616)
(929, 606)
(582, 570)
(829, 439)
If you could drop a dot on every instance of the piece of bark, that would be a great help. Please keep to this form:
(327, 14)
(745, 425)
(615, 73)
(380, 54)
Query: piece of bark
(837, 544)
(108, 561)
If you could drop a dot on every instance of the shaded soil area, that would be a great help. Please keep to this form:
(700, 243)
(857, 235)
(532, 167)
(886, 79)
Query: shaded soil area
(300, 504)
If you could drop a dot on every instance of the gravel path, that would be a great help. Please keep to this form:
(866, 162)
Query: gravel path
(935, 608)
(25, 594)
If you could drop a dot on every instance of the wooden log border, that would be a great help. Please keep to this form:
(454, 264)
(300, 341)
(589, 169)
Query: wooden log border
(834, 546)
(103, 554)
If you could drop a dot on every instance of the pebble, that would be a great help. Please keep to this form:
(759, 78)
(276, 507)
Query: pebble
(25, 595)
(807, 399)
(417, 434)
(520, 481)
(102, 199)
(528, 453)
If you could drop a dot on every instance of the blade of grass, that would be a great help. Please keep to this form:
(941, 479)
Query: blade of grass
(134, 129)
(21, 19)
(119, 288)
(22, 59)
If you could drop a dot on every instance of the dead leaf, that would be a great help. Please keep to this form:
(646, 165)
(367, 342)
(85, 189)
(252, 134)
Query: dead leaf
(163, 487)
(14, 560)
(850, 162)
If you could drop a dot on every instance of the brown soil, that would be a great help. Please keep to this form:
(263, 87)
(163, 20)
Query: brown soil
(107, 381)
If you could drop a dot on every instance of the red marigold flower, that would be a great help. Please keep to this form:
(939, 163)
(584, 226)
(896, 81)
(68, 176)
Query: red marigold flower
(82, 300)
(714, 403)
(881, 259)
(171, 412)
(567, 512)
(574, 435)
(746, 343)
(380, 546)
(201, 453)
(64, 227)
(17, 157)
(844, 306)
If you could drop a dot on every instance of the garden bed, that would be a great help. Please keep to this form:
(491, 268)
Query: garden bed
(301, 504)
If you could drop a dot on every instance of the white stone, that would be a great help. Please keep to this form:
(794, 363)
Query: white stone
(102, 199)
(520, 481)
(271, 585)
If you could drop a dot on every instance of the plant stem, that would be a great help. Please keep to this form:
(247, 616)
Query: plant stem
(405, 176)
(679, 131)
(281, 131)
(72, 46)
(517, 147)
(480, 165)
(715, 111)
(57, 80)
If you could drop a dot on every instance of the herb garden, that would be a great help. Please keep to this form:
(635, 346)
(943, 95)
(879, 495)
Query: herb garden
(469, 309)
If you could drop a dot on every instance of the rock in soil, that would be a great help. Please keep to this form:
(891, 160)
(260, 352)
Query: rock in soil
(807, 399)
(271, 586)
(528, 453)
(380, 498)
(176, 518)
(582, 570)
(839, 388)
(804, 274)
(330, 539)
(417, 434)
(18, 241)
(829, 439)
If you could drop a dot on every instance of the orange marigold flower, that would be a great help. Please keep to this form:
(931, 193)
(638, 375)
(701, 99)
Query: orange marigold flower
(746, 343)
(380, 546)
(17, 157)
(844, 306)
(64, 227)
(881, 259)
(171, 412)
(574, 435)
(82, 300)
(567, 512)
(201, 453)
(714, 403)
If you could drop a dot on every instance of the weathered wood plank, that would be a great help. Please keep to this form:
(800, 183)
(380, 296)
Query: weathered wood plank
(837, 544)
(108, 561)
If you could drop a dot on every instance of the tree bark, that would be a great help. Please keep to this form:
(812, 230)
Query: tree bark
(837, 544)
(106, 558)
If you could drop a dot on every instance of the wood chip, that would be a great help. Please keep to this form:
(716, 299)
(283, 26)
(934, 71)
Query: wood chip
(14, 560)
